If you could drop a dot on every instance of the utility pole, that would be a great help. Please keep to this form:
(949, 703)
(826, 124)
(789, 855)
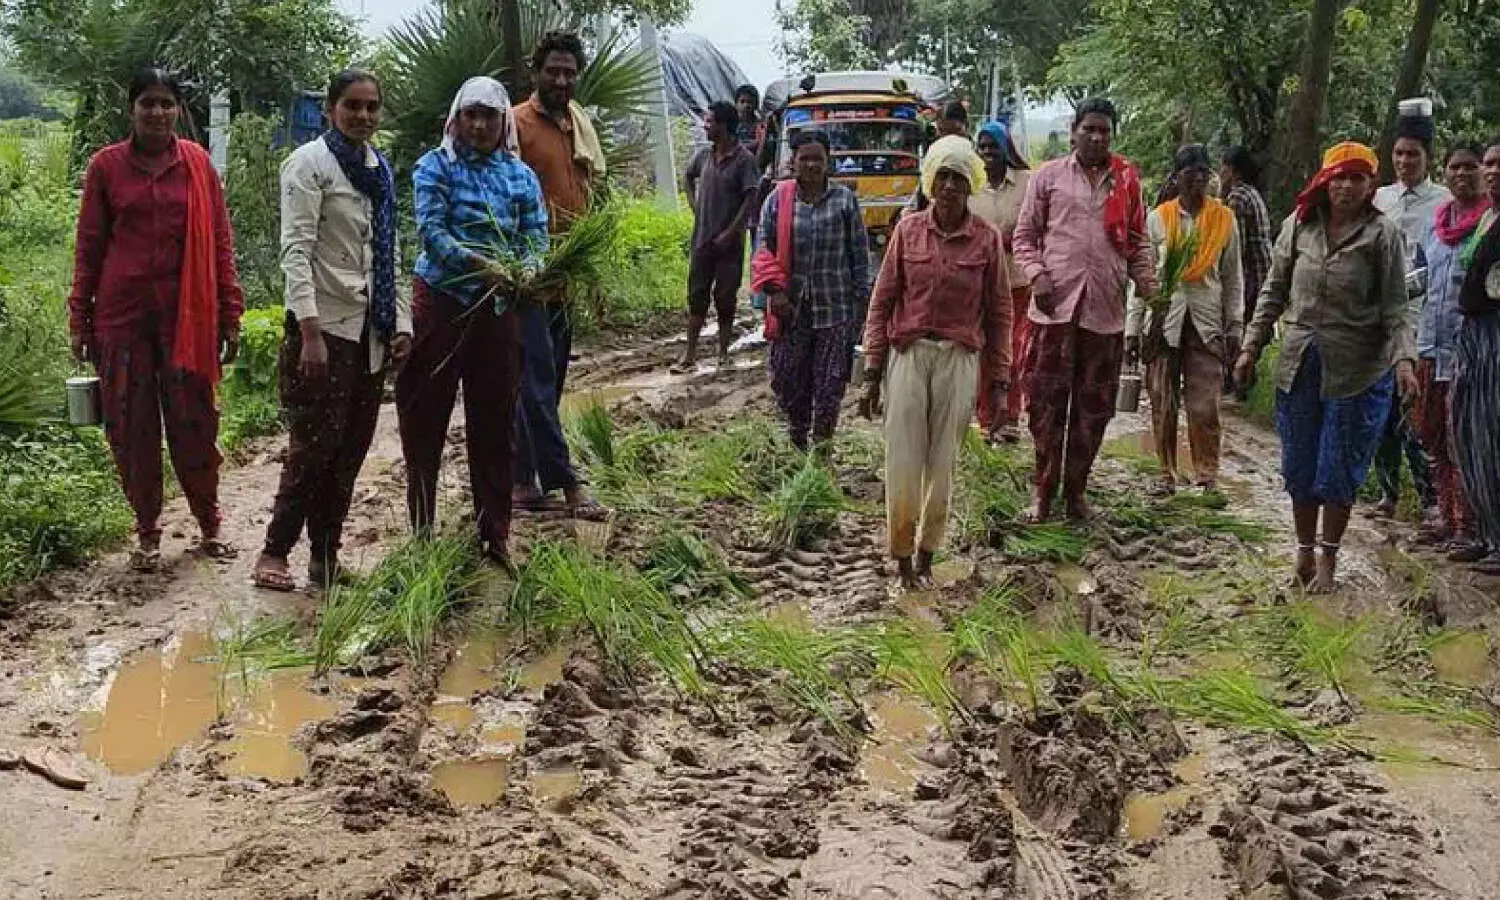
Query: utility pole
(665, 168)
(510, 36)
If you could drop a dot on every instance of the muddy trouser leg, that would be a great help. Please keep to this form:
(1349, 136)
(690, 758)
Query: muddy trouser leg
(790, 360)
(1097, 366)
(360, 414)
(425, 391)
(907, 417)
(1162, 383)
(954, 381)
(832, 352)
(129, 369)
(542, 451)
(1476, 422)
(1202, 388)
(191, 417)
(729, 271)
(492, 384)
(1020, 336)
(560, 323)
(315, 416)
(1049, 389)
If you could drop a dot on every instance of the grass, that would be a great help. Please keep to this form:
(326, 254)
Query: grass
(1003, 644)
(1048, 542)
(1260, 402)
(804, 508)
(347, 627)
(1298, 637)
(916, 661)
(992, 491)
(679, 559)
(1235, 699)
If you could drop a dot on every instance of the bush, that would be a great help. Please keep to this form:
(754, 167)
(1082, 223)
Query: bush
(647, 272)
(252, 189)
(251, 407)
(60, 501)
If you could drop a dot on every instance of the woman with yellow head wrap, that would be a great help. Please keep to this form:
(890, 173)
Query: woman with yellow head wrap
(1338, 285)
(942, 300)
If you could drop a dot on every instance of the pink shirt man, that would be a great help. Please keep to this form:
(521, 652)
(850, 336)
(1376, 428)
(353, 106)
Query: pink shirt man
(1061, 236)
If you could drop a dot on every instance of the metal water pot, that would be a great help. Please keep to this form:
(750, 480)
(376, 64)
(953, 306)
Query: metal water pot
(1128, 397)
(85, 401)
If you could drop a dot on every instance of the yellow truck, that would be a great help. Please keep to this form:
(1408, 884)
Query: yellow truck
(878, 126)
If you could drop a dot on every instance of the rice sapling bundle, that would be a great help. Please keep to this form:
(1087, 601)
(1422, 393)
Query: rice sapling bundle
(572, 260)
(1178, 254)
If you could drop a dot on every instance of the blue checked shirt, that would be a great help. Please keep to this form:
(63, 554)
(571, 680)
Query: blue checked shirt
(830, 255)
(472, 202)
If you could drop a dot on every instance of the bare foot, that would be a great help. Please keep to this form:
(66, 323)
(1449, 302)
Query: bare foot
(1325, 580)
(910, 580)
(1307, 566)
(1040, 511)
(1079, 511)
(924, 564)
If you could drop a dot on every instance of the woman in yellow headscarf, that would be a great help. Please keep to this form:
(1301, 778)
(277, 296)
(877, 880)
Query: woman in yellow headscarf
(1338, 284)
(1193, 334)
(942, 300)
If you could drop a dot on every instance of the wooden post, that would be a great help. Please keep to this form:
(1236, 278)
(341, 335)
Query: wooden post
(518, 75)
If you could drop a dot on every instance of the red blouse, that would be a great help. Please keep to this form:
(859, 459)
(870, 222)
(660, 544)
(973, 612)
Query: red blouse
(131, 230)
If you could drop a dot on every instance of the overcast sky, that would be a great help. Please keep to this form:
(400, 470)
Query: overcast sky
(745, 30)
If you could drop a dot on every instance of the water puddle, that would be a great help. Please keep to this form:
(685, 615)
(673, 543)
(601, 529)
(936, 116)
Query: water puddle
(507, 738)
(1145, 814)
(792, 614)
(159, 700)
(471, 671)
(555, 786)
(267, 720)
(167, 697)
(1463, 659)
(1075, 579)
(472, 782)
(456, 715)
(1412, 745)
(545, 669)
(889, 760)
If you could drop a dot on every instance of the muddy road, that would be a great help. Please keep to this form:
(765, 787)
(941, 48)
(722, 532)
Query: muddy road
(1139, 711)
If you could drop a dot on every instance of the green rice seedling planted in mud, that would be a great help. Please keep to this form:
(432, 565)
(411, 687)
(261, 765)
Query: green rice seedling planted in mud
(592, 434)
(348, 624)
(809, 668)
(681, 559)
(566, 589)
(1298, 637)
(992, 490)
(1047, 542)
(1234, 699)
(1003, 643)
(804, 508)
(917, 662)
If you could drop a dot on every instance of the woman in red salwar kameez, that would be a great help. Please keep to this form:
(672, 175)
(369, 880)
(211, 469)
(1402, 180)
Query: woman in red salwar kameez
(155, 307)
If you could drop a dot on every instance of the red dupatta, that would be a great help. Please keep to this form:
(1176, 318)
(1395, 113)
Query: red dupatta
(773, 271)
(195, 347)
(1124, 211)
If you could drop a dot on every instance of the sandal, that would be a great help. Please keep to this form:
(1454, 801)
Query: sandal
(146, 562)
(1467, 553)
(1490, 565)
(589, 510)
(55, 766)
(324, 576)
(269, 579)
(539, 503)
(1165, 486)
(213, 548)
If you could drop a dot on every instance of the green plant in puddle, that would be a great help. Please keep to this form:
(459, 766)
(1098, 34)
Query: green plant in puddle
(917, 661)
(1299, 638)
(566, 589)
(419, 586)
(805, 507)
(348, 624)
(244, 648)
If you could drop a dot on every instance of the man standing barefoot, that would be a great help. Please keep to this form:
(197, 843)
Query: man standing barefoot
(722, 181)
(1081, 235)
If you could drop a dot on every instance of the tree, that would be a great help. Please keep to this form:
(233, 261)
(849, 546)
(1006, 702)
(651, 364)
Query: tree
(1300, 154)
(824, 35)
(20, 97)
(1409, 81)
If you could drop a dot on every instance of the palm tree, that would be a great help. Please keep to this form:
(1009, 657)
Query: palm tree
(431, 54)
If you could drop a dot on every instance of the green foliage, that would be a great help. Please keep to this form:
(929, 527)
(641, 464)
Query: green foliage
(681, 560)
(251, 407)
(21, 98)
(59, 501)
(646, 272)
(809, 668)
(252, 190)
(805, 507)
(992, 490)
(1260, 404)
(917, 662)
(825, 35)
(418, 587)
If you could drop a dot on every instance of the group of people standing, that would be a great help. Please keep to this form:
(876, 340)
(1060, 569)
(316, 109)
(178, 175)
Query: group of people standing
(156, 302)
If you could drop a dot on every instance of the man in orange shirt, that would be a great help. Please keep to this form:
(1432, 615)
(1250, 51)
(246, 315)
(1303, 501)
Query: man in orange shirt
(558, 142)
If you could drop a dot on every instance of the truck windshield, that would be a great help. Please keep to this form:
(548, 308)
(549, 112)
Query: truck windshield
(870, 147)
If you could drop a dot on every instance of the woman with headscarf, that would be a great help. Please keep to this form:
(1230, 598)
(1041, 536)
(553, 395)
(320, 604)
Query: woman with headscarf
(813, 263)
(1476, 375)
(481, 216)
(998, 202)
(155, 307)
(1455, 226)
(344, 321)
(940, 303)
(1338, 279)
(1188, 345)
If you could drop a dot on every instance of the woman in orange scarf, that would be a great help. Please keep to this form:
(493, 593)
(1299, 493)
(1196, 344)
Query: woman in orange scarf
(1192, 334)
(155, 307)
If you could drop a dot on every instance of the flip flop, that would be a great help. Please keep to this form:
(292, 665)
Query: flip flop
(270, 580)
(541, 504)
(145, 561)
(9, 759)
(55, 766)
(213, 548)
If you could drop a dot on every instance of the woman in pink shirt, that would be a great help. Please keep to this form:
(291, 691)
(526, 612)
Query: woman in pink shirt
(941, 301)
